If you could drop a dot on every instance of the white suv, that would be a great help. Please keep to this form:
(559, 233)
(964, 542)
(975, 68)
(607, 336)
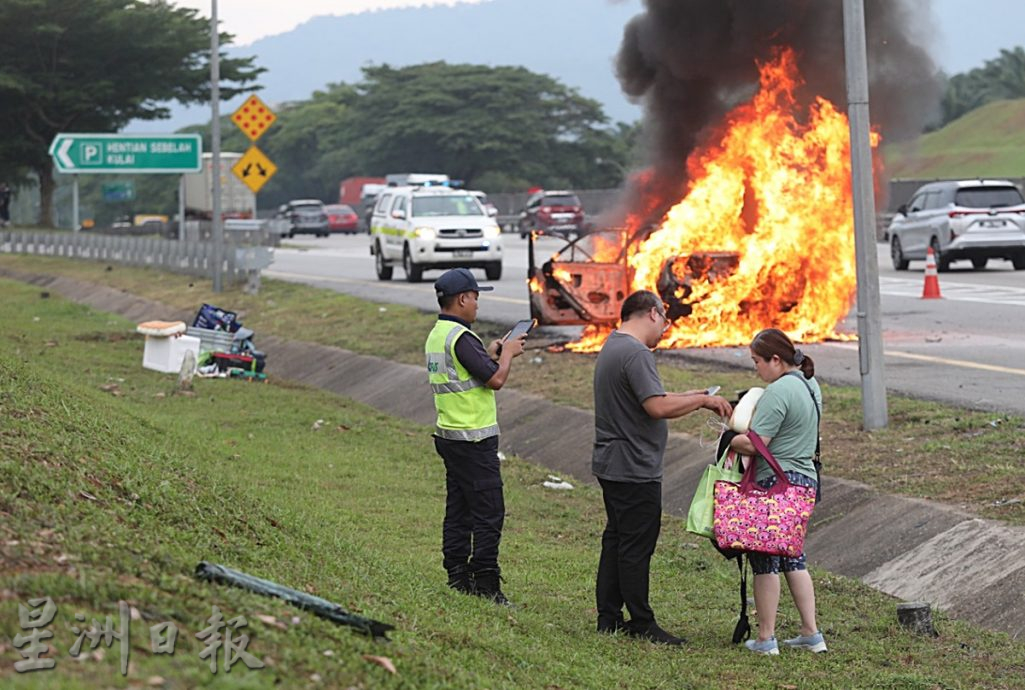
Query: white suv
(426, 228)
(968, 219)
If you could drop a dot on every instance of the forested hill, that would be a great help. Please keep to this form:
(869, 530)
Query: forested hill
(987, 142)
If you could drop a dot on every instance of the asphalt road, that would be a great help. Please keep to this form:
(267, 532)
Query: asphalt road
(967, 348)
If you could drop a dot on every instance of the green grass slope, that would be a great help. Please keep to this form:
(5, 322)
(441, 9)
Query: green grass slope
(113, 488)
(987, 142)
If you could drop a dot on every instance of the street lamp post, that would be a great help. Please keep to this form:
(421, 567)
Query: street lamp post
(870, 335)
(217, 227)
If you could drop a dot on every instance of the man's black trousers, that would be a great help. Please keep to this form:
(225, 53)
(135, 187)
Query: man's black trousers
(475, 507)
(634, 513)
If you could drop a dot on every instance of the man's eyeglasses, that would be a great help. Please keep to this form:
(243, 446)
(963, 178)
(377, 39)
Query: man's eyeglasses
(666, 323)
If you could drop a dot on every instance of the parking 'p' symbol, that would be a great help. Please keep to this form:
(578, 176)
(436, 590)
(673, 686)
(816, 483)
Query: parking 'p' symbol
(92, 154)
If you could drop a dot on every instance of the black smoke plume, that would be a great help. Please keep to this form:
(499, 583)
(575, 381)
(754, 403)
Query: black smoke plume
(690, 61)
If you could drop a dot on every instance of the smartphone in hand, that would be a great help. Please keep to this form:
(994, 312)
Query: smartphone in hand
(712, 390)
(521, 327)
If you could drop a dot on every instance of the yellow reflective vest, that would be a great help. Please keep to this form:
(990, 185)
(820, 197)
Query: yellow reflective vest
(466, 407)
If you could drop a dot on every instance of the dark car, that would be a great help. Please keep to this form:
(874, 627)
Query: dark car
(304, 216)
(552, 213)
(341, 218)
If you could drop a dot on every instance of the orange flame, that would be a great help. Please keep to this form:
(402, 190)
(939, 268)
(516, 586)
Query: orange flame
(775, 192)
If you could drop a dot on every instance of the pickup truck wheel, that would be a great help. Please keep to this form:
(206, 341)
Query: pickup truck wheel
(493, 270)
(383, 269)
(979, 264)
(414, 272)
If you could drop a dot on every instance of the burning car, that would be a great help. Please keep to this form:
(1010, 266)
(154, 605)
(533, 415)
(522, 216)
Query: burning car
(586, 281)
(762, 236)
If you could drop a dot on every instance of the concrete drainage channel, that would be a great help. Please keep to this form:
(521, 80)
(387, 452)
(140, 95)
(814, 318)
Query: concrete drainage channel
(911, 549)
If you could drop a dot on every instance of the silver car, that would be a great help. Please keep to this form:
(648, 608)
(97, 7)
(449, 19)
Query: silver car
(977, 220)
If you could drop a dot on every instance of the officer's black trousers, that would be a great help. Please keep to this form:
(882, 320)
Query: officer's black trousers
(475, 507)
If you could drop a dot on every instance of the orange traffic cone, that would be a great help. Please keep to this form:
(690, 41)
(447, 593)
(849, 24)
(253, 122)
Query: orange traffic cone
(931, 289)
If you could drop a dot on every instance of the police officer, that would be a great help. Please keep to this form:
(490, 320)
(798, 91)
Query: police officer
(464, 376)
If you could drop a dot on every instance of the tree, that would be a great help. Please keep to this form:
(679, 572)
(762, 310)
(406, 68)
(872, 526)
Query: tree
(998, 79)
(95, 65)
(475, 121)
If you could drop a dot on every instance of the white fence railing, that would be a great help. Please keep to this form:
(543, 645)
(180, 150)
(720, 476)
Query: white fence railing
(188, 257)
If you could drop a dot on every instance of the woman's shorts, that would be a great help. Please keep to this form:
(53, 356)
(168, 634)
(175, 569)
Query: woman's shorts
(763, 563)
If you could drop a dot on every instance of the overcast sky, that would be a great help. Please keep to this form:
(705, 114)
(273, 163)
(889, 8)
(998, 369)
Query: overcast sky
(969, 31)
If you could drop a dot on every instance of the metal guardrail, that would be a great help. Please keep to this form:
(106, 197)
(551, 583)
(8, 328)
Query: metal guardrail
(188, 257)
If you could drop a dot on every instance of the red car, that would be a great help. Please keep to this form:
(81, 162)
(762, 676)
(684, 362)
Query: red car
(341, 218)
(552, 213)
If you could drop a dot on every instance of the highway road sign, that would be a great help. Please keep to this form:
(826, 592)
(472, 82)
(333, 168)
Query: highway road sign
(76, 152)
(253, 117)
(254, 169)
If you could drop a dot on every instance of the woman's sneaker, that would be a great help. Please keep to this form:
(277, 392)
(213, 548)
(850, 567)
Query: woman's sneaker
(767, 647)
(813, 643)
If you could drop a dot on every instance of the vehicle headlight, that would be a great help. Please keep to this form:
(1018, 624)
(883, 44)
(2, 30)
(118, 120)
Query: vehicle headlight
(492, 231)
(426, 233)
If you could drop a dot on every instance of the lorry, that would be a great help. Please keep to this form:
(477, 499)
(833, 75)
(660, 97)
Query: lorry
(352, 190)
(237, 200)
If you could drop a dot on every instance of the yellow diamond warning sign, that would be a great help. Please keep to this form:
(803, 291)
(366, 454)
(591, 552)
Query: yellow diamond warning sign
(253, 117)
(254, 169)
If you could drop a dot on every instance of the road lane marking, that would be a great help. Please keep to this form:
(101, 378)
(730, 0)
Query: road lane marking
(382, 283)
(940, 360)
(956, 292)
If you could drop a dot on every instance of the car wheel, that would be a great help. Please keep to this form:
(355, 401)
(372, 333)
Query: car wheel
(897, 255)
(1018, 262)
(979, 264)
(382, 267)
(942, 263)
(414, 272)
(493, 270)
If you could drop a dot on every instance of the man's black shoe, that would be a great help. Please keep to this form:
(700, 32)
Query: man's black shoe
(486, 585)
(461, 579)
(611, 628)
(655, 634)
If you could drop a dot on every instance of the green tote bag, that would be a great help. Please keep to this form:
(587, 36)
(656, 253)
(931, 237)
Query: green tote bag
(702, 506)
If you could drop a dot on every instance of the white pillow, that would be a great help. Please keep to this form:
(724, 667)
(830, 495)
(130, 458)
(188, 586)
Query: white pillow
(745, 410)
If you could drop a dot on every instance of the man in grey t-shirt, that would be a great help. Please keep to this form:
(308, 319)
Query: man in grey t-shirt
(630, 432)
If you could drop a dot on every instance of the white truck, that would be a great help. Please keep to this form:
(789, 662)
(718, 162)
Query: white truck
(433, 228)
(237, 200)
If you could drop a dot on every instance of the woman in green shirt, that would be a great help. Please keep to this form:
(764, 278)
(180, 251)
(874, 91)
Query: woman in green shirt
(786, 418)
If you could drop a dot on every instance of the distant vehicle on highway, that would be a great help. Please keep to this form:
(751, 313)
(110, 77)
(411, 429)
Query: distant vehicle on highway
(341, 218)
(304, 216)
(977, 220)
(552, 212)
(491, 209)
(428, 228)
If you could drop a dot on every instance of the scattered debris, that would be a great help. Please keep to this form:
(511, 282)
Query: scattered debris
(382, 661)
(556, 483)
(212, 572)
(1006, 501)
(317, 424)
(501, 456)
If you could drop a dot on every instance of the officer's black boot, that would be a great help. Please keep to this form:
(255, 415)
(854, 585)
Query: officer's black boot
(486, 584)
(461, 579)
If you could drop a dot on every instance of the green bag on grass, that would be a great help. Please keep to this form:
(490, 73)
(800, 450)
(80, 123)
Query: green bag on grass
(702, 506)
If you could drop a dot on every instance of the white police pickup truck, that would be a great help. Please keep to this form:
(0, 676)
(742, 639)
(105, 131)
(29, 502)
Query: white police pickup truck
(427, 228)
